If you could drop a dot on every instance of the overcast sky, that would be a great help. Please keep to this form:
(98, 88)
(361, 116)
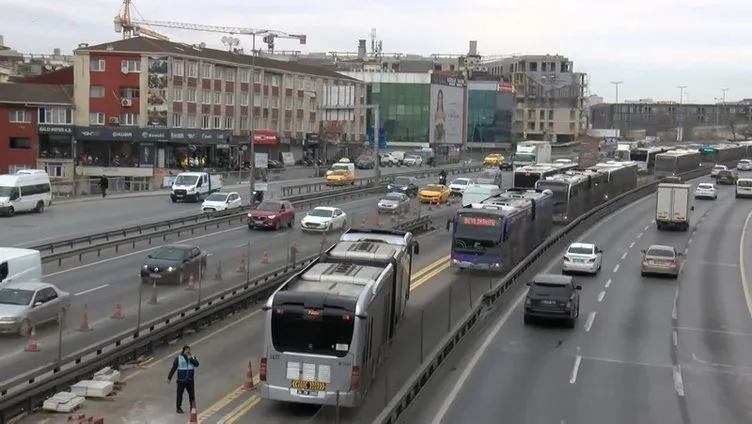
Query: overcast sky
(651, 45)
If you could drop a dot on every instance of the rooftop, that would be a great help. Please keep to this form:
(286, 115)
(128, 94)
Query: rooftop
(148, 45)
(36, 94)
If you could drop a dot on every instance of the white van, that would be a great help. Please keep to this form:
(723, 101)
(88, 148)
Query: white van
(19, 265)
(24, 192)
(743, 187)
(478, 193)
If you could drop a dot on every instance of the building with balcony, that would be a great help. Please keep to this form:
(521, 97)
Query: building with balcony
(143, 105)
(36, 122)
(550, 96)
(490, 115)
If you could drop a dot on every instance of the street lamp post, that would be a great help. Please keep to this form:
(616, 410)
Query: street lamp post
(616, 102)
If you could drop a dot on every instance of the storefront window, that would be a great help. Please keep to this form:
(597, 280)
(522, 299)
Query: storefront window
(55, 146)
(404, 110)
(111, 154)
(489, 116)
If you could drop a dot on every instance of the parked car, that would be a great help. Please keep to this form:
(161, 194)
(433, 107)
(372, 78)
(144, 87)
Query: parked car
(387, 159)
(274, 164)
(412, 160)
(365, 162)
(174, 264)
(221, 201)
(324, 218)
(394, 203)
(271, 214)
(26, 305)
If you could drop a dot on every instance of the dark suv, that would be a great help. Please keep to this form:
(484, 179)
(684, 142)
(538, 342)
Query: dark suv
(405, 185)
(553, 297)
(726, 177)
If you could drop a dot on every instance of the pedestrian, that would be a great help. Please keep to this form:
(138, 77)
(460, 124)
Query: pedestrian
(185, 365)
(104, 184)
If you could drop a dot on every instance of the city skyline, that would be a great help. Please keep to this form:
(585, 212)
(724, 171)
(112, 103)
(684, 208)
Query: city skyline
(651, 54)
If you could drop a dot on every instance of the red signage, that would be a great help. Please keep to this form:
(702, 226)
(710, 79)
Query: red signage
(483, 222)
(505, 87)
(265, 137)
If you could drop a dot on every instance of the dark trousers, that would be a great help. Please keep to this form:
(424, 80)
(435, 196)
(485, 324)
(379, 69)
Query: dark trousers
(185, 386)
(104, 191)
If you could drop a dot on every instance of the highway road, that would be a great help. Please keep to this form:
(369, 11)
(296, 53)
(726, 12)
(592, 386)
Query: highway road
(98, 285)
(72, 219)
(645, 349)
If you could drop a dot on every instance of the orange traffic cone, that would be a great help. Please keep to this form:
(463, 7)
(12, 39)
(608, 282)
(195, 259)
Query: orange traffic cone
(32, 345)
(248, 384)
(241, 266)
(194, 414)
(265, 257)
(191, 283)
(118, 313)
(84, 325)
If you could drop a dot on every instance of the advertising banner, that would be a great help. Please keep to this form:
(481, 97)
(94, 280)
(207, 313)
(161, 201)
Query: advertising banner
(447, 109)
(157, 102)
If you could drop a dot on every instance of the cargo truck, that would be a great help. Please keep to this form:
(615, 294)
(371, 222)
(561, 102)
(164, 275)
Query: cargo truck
(532, 152)
(673, 206)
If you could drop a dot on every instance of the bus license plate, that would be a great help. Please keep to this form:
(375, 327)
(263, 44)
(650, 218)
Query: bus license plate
(304, 386)
(155, 276)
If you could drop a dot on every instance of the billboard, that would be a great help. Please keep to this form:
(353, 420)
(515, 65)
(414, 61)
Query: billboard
(157, 101)
(447, 119)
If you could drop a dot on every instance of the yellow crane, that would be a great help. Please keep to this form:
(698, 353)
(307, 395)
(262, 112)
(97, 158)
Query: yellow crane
(129, 27)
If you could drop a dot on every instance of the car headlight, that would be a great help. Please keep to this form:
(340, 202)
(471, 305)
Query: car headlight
(272, 216)
(8, 319)
(146, 266)
(170, 269)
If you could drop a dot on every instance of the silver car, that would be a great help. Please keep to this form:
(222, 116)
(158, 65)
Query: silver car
(394, 203)
(26, 305)
(661, 260)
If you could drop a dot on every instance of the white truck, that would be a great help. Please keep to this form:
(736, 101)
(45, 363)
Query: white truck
(532, 152)
(673, 206)
(194, 186)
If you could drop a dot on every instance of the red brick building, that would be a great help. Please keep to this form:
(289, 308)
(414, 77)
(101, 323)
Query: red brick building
(25, 109)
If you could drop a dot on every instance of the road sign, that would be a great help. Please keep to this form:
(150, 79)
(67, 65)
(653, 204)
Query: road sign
(382, 137)
(261, 160)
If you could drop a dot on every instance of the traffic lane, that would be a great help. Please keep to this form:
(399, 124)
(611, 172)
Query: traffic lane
(713, 332)
(67, 220)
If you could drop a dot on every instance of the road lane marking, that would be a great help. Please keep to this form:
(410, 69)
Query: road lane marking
(674, 311)
(646, 228)
(93, 289)
(689, 241)
(241, 410)
(624, 255)
(675, 338)
(639, 235)
(601, 295)
(589, 322)
(616, 268)
(742, 268)
(608, 283)
(678, 381)
(631, 245)
(575, 369)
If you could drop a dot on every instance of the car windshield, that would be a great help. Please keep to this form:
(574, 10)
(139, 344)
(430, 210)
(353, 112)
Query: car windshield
(364, 158)
(434, 187)
(661, 253)
(551, 290)
(744, 183)
(394, 197)
(705, 186)
(719, 167)
(412, 157)
(186, 180)
(336, 167)
(580, 250)
(169, 253)
(460, 181)
(340, 172)
(326, 213)
(487, 175)
(18, 297)
(268, 207)
(217, 197)
(725, 173)
(5, 191)
(744, 161)
(401, 181)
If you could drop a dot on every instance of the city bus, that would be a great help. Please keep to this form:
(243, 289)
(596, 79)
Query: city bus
(574, 193)
(645, 157)
(676, 162)
(621, 177)
(526, 176)
(329, 327)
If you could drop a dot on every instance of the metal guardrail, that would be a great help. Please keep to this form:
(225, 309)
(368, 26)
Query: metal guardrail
(191, 228)
(26, 392)
(420, 378)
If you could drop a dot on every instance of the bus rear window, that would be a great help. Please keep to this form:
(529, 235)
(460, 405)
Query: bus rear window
(326, 334)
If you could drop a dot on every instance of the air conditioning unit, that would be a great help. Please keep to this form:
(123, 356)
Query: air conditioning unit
(126, 102)
(114, 120)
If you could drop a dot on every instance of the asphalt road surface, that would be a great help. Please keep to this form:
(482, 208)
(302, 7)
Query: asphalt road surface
(99, 284)
(645, 349)
(72, 219)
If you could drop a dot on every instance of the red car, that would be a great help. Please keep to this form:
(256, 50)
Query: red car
(271, 214)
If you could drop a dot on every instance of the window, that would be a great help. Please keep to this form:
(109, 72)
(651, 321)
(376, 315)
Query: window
(206, 97)
(275, 102)
(191, 69)
(550, 115)
(96, 118)
(116, 153)
(207, 70)
(177, 120)
(217, 97)
(177, 94)
(299, 125)
(229, 123)
(218, 72)
(129, 119)
(244, 99)
(244, 123)
(288, 125)
(245, 75)
(19, 143)
(55, 170)
(217, 122)
(275, 124)
(542, 114)
(19, 116)
(205, 122)
(96, 91)
(257, 122)
(96, 65)
(229, 99)
(257, 101)
(129, 92)
(230, 74)
(288, 103)
(177, 68)
(129, 66)
(257, 77)
(190, 94)
(191, 121)
(531, 126)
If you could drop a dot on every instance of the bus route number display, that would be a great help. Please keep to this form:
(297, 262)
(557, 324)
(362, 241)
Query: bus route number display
(482, 222)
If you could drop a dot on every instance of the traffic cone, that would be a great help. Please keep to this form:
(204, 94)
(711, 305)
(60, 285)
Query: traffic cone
(191, 283)
(218, 273)
(32, 345)
(265, 257)
(194, 414)
(248, 383)
(153, 299)
(118, 313)
(84, 325)
(241, 266)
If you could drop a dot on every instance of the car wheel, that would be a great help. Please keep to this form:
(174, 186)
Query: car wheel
(276, 226)
(675, 276)
(289, 223)
(11, 211)
(39, 208)
(24, 328)
(643, 273)
(571, 323)
(526, 319)
(344, 225)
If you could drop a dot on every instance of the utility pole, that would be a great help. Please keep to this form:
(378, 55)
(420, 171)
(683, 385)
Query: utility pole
(723, 100)
(680, 116)
(616, 103)
(377, 163)
(253, 119)
(681, 93)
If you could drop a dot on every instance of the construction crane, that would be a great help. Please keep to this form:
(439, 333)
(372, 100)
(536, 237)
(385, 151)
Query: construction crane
(134, 27)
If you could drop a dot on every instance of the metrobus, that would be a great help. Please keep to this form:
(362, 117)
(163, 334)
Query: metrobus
(676, 162)
(621, 177)
(574, 193)
(526, 176)
(498, 233)
(726, 154)
(328, 328)
(645, 157)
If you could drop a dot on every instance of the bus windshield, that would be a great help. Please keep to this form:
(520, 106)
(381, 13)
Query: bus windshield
(560, 191)
(524, 157)
(638, 155)
(525, 179)
(476, 232)
(324, 334)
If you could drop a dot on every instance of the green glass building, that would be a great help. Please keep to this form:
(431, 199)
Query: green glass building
(404, 110)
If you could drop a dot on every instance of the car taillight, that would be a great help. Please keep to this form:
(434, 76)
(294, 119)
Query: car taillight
(262, 369)
(672, 261)
(355, 378)
(566, 258)
(591, 260)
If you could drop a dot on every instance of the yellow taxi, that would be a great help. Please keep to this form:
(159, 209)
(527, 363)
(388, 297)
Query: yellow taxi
(340, 177)
(433, 193)
(493, 159)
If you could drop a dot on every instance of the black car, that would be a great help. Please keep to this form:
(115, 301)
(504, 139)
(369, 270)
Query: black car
(406, 185)
(553, 297)
(174, 264)
(506, 164)
(365, 162)
(726, 178)
(274, 164)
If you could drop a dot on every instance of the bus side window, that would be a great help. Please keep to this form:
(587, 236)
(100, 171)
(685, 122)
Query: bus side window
(368, 338)
(505, 236)
(532, 209)
(4, 271)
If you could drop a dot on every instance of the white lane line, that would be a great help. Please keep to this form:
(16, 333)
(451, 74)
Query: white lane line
(608, 283)
(676, 302)
(675, 338)
(93, 289)
(631, 245)
(601, 295)
(686, 250)
(646, 228)
(575, 369)
(639, 235)
(589, 322)
(241, 245)
(689, 241)
(616, 268)
(624, 255)
(745, 283)
(678, 381)
(652, 222)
